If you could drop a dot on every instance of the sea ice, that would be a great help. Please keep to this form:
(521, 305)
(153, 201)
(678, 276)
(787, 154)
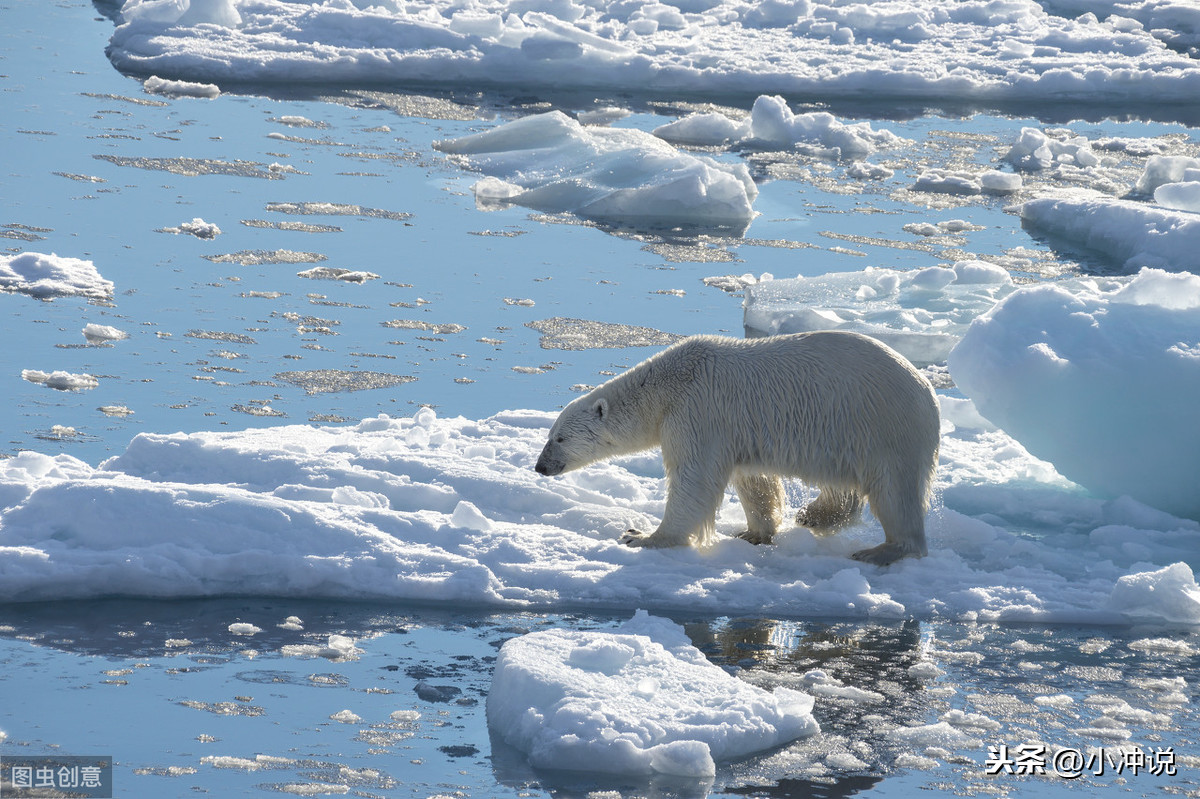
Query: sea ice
(48, 276)
(60, 380)
(102, 334)
(1101, 382)
(640, 700)
(772, 124)
(552, 163)
(939, 51)
(180, 88)
(1169, 594)
(921, 313)
(380, 510)
(1132, 234)
(1036, 150)
(1162, 169)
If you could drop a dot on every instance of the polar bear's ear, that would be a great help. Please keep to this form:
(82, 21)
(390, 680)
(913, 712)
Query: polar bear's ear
(600, 408)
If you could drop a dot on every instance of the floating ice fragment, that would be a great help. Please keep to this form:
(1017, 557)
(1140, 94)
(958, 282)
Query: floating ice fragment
(180, 88)
(98, 334)
(578, 700)
(1162, 169)
(552, 163)
(244, 628)
(1169, 594)
(1182, 196)
(1036, 150)
(920, 313)
(1132, 234)
(59, 380)
(47, 276)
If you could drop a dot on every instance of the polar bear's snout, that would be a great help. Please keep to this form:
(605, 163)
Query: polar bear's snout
(549, 463)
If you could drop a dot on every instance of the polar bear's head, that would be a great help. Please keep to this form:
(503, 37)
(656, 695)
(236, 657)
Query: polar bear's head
(582, 434)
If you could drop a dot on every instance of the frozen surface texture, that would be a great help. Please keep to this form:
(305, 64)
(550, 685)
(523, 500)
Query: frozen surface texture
(552, 163)
(641, 700)
(1132, 234)
(451, 511)
(1102, 383)
(920, 313)
(940, 50)
(47, 276)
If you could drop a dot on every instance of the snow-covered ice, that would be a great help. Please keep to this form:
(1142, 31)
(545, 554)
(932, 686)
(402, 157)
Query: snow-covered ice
(47, 276)
(772, 124)
(1130, 233)
(942, 50)
(102, 334)
(638, 700)
(451, 511)
(550, 162)
(60, 380)
(1101, 381)
(921, 313)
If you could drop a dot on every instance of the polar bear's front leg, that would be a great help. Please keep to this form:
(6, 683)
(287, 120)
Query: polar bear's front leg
(694, 492)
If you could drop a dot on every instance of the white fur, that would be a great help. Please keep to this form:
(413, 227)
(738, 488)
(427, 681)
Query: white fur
(837, 410)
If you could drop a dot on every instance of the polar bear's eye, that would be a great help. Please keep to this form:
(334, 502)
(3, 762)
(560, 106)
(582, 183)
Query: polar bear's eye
(559, 440)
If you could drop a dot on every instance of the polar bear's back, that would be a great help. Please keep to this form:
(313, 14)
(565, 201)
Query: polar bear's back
(824, 405)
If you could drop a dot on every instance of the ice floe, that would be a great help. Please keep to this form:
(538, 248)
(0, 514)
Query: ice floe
(1100, 381)
(451, 511)
(1130, 233)
(939, 51)
(550, 162)
(640, 700)
(47, 276)
(921, 313)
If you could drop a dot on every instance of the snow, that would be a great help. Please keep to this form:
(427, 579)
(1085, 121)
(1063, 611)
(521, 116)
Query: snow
(450, 511)
(940, 51)
(550, 162)
(46, 276)
(1100, 381)
(640, 700)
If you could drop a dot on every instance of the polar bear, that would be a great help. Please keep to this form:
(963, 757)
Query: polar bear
(838, 410)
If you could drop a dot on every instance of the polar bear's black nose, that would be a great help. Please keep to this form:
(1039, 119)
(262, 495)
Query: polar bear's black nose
(541, 467)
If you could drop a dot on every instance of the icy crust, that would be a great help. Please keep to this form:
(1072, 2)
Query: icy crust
(641, 700)
(981, 52)
(550, 162)
(771, 124)
(1131, 233)
(47, 276)
(1102, 382)
(450, 510)
(921, 313)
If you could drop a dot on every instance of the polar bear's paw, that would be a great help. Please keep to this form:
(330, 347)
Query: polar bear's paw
(756, 536)
(885, 554)
(634, 538)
